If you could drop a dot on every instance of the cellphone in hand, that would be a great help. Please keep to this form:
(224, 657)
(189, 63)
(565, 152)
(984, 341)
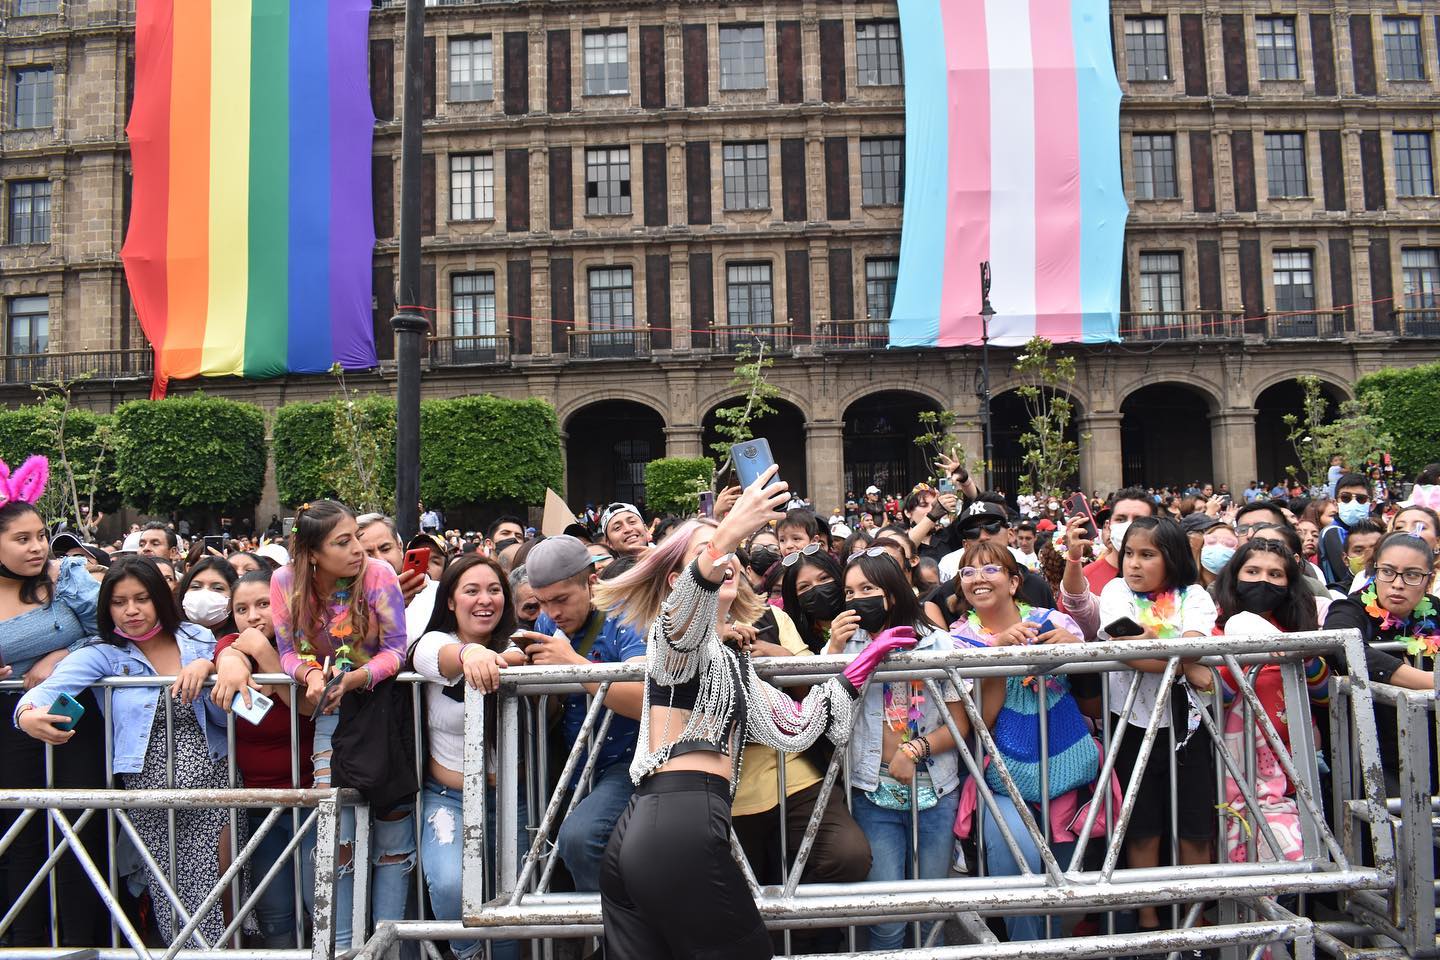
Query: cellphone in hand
(259, 706)
(1078, 506)
(66, 705)
(947, 485)
(707, 504)
(752, 458)
(1123, 627)
(1044, 626)
(417, 559)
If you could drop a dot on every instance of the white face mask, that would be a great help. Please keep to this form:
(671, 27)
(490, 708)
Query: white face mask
(1117, 534)
(205, 607)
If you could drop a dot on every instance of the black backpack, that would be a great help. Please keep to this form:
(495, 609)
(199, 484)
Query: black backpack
(373, 750)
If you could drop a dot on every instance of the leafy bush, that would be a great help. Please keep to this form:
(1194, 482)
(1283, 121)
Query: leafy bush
(673, 484)
(483, 448)
(308, 448)
(1408, 405)
(32, 429)
(193, 452)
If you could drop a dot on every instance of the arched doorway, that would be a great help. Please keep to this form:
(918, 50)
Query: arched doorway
(1165, 436)
(785, 429)
(607, 448)
(1273, 449)
(880, 449)
(1009, 421)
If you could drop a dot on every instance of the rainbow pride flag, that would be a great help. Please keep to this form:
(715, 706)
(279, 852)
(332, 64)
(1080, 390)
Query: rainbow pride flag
(249, 248)
(1012, 155)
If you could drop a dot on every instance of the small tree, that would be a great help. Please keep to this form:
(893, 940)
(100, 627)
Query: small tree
(81, 465)
(937, 441)
(1358, 433)
(736, 424)
(355, 470)
(1050, 458)
(1303, 428)
(79, 445)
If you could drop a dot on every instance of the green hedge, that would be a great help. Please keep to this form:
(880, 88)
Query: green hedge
(32, 429)
(306, 446)
(671, 487)
(1408, 403)
(192, 452)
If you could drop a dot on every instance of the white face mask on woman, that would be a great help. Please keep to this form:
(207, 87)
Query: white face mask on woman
(1117, 533)
(205, 607)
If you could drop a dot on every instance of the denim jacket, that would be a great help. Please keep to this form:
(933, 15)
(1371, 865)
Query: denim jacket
(133, 708)
(868, 739)
(65, 623)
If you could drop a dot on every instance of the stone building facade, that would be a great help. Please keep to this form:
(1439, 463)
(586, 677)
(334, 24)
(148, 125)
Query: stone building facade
(618, 194)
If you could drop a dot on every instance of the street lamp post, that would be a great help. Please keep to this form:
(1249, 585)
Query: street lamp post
(986, 312)
(409, 325)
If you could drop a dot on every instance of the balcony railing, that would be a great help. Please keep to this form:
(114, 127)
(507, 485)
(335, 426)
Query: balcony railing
(731, 339)
(1418, 322)
(1320, 325)
(839, 335)
(1181, 325)
(22, 368)
(609, 344)
(483, 351)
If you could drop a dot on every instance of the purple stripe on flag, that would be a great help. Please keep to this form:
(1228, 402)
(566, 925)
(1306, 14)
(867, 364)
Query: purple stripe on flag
(352, 227)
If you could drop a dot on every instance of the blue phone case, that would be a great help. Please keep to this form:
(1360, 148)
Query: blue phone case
(70, 707)
(751, 458)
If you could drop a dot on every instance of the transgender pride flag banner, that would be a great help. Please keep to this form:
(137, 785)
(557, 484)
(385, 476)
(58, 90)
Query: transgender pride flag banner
(1012, 155)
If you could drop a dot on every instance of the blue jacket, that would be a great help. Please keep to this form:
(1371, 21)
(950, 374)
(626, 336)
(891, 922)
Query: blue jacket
(65, 623)
(133, 709)
(615, 643)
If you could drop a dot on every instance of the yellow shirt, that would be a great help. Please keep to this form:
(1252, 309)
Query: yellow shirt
(758, 789)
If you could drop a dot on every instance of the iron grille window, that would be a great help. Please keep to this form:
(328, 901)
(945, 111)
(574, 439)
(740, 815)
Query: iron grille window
(612, 298)
(472, 69)
(607, 181)
(747, 176)
(1154, 159)
(1147, 53)
(882, 172)
(749, 296)
(607, 63)
(742, 58)
(472, 186)
(33, 90)
(877, 54)
(472, 305)
(1285, 161)
(880, 274)
(29, 211)
(1275, 44)
(1414, 176)
(1403, 57)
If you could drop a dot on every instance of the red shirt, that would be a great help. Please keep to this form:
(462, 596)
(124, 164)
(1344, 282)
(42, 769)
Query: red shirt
(263, 752)
(1098, 573)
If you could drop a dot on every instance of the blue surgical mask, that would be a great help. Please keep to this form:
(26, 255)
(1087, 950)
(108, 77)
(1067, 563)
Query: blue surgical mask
(1353, 512)
(1214, 556)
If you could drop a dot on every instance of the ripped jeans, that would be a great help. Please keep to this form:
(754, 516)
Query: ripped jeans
(440, 846)
(392, 850)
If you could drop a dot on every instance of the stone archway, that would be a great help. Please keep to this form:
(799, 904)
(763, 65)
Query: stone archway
(879, 441)
(785, 429)
(608, 444)
(1273, 449)
(1165, 436)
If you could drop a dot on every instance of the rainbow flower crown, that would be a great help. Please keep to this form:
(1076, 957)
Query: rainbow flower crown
(25, 485)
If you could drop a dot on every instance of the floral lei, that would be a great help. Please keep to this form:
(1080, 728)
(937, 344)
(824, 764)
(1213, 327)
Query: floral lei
(1419, 631)
(1157, 611)
(973, 619)
(342, 628)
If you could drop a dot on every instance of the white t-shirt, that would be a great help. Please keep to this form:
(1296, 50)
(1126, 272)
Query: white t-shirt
(418, 610)
(444, 714)
(1196, 614)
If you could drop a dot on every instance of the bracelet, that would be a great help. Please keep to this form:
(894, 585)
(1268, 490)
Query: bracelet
(925, 741)
(467, 647)
(369, 678)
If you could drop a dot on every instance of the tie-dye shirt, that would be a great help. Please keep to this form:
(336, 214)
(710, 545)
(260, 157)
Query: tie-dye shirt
(382, 648)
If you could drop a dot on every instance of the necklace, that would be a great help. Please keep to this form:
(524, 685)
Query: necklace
(1418, 631)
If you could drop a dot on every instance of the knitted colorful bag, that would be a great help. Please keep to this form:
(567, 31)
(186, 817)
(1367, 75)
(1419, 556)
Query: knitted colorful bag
(1074, 755)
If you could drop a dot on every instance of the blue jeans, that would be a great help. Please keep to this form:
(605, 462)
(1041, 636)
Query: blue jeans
(1000, 862)
(391, 841)
(890, 856)
(275, 910)
(441, 855)
(586, 832)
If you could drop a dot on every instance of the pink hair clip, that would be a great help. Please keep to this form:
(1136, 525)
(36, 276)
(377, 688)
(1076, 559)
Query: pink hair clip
(26, 484)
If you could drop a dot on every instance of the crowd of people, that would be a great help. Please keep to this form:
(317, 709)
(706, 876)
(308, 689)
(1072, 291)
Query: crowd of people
(342, 604)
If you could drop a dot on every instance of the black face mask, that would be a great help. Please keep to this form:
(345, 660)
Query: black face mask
(872, 612)
(822, 601)
(1259, 596)
(763, 558)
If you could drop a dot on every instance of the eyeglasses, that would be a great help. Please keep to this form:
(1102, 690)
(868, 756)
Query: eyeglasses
(794, 558)
(1411, 578)
(1213, 538)
(1246, 529)
(989, 570)
(992, 528)
(1357, 497)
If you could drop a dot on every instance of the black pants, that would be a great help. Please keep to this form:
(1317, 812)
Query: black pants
(80, 763)
(669, 887)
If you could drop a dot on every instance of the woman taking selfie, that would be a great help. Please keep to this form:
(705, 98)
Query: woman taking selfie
(669, 886)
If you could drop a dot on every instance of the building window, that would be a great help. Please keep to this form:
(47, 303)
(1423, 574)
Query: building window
(1154, 158)
(1420, 280)
(472, 186)
(472, 69)
(612, 298)
(29, 325)
(1294, 287)
(880, 274)
(607, 181)
(749, 296)
(607, 63)
(1147, 53)
(1414, 176)
(472, 305)
(877, 53)
(742, 58)
(33, 96)
(882, 172)
(747, 176)
(1275, 43)
(1403, 59)
(26, 8)
(1285, 161)
(29, 211)
(1162, 295)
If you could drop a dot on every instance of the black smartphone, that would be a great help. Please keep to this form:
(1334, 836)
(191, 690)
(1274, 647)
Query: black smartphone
(215, 543)
(1123, 627)
(1078, 506)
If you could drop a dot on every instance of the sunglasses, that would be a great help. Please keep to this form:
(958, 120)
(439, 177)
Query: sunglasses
(991, 528)
(1357, 497)
(794, 558)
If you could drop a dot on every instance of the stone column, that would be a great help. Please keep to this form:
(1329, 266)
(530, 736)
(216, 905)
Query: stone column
(1102, 465)
(684, 441)
(825, 464)
(1232, 448)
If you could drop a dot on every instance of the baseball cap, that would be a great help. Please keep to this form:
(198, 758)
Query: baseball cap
(1198, 522)
(614, 510)
(274, 551)
(983, 511)
(872, 489)
(556, 558)
(63, 543)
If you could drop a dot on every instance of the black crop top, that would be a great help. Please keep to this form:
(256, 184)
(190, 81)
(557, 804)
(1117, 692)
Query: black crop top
(682, 696)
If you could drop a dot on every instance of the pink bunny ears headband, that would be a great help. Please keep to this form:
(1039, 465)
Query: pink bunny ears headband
(26, 484)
